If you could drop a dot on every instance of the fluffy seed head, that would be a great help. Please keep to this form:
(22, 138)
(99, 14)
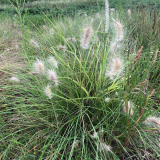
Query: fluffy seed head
(34, 43)
(119, 30)
(14, 79)
(95, 135)
(53, 61)
(155, 57)
(44, 27)
(107, 16)
(153, 120)
(107, 99)
(51, 31)
(116, 93)
(87, 36)
(116, 66)
(39, 67)
(48, 92)
(104, 147)
(112, 9)
(53, 77)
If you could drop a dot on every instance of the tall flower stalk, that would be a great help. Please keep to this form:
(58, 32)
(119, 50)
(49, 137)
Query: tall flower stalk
(107, 16)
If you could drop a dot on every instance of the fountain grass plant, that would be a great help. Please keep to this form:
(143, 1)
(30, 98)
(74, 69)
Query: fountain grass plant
(81, 103)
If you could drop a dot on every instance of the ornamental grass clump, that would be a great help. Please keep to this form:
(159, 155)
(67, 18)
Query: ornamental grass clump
(86, 101)
(97, 89)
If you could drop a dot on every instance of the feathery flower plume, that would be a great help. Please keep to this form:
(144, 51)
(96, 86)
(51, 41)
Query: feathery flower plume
(53, 61)
(116, 93)
(61, 47)
(155, 57)
(112, 9)
(14, 79)
(107, 99)
(107, 16)
(138, 55)
(48, 92)
(119, 30)
(130, 108)
(153, 120)
(129, 13)
(51, 31)
(34, 43)
(104, 147)
(53, 77)
(39, 66)
(95, 135)
(87, 36)
(116, 66)
(44, 27)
